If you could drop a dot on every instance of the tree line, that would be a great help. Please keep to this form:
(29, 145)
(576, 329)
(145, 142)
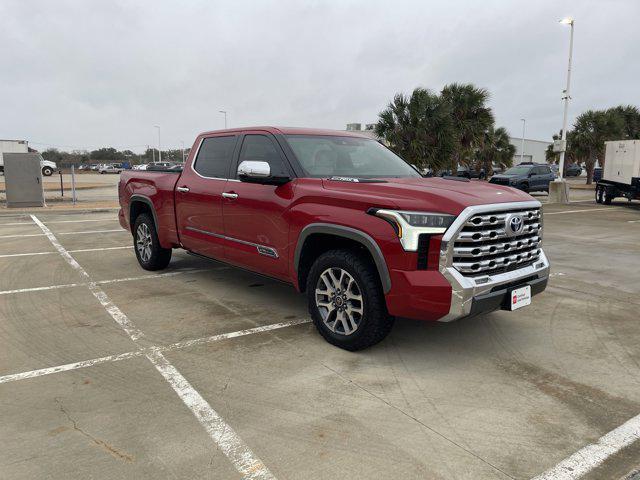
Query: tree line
(585, 141)
(110, 155)
(443, 130)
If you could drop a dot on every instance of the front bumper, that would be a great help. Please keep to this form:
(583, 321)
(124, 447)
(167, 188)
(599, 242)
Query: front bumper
(474, 295)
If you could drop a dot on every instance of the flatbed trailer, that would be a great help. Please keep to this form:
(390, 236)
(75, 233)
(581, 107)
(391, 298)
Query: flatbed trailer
(621, 173)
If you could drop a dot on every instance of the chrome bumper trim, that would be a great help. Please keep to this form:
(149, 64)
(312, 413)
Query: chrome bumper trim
(464, 289)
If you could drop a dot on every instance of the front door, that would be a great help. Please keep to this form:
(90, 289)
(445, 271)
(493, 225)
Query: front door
(198, 196)
(256, 226)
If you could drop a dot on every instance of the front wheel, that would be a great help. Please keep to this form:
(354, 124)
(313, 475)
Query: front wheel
(346, 301)
(599, 194)
(150, 255)
(47, 171)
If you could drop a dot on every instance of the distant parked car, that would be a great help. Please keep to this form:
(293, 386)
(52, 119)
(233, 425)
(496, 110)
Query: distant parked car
(111, 168)
(529, 177)
(142, 166)
(496, 169)
(470, 172)
(48, 167)
(94, 168)
(574, 170)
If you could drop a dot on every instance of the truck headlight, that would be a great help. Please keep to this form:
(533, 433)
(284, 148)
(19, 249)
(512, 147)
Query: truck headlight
(409, 225)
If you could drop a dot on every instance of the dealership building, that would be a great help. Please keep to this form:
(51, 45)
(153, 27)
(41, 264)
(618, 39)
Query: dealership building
(534, 150)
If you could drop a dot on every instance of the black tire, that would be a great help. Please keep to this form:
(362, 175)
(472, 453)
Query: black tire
(599, 194)
(103, 172)
(47, 171)
(154, 257)
(609, 195)
(524, 187)
(374, 324)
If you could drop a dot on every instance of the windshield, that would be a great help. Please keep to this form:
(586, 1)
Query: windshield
(517, 171)
(327, 156)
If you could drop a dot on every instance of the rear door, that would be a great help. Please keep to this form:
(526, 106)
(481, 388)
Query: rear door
(256, 227)
(199, 196)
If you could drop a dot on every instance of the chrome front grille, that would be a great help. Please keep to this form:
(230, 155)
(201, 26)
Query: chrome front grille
(483, 246)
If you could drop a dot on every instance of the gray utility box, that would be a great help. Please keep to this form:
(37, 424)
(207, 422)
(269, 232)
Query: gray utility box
(23, 180)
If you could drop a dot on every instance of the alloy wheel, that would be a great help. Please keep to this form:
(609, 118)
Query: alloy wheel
(144, 242)
(339, 301)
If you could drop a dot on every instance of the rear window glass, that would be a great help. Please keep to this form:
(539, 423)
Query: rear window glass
(214, 156)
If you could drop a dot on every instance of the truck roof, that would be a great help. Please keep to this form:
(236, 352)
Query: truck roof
(291, 131)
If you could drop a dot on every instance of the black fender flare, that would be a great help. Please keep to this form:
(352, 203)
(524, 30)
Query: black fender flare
(352, 234)
(136, 197)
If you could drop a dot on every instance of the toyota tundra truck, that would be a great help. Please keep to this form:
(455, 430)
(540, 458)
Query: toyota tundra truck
(346, 221)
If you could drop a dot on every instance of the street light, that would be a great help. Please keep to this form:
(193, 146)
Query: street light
(524, 122)
(225, 117)
(566, 21)
(182, 144)
(159, 146)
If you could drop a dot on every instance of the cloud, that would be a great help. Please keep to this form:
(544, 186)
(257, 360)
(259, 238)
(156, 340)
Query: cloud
(87, 74)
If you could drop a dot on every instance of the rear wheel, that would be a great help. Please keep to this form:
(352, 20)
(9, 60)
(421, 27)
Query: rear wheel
(524, 187)
(346, 301)
(47, 171)
(609, 195)
(599, 194)
(150, 255)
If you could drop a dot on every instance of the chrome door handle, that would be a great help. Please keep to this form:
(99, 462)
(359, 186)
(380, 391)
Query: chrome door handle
(182, 189)
(229, 195)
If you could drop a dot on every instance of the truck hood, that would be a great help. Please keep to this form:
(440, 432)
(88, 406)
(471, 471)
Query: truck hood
(428, 194)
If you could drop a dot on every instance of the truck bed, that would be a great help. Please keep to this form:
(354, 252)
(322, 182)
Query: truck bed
(158, 188)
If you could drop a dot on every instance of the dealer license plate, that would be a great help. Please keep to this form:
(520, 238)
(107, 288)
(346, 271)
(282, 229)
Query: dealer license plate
(520, 297)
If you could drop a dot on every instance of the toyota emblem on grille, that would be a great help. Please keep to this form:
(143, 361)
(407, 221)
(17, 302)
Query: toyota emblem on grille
(514, 224)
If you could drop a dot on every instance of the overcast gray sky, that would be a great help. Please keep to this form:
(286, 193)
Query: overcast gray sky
(84, 74)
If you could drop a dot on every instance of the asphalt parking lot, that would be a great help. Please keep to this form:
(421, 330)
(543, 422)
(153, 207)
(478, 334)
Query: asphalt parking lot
(205, 371)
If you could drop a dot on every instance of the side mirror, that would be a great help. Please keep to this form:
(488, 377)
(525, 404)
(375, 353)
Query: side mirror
(252, 171)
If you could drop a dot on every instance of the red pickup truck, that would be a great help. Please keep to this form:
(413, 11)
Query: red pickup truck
(342, 218)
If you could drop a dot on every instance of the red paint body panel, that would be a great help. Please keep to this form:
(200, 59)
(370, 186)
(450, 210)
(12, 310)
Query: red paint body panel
(274, 217)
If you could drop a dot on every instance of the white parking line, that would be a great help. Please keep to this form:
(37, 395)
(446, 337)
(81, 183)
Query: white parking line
(69, 366)
(227, 440)
(580, 211)
(64, 233)
(589, 457)
(110, 219)
(70, 251)
(105, 282)
(125, 356)
(15, 224)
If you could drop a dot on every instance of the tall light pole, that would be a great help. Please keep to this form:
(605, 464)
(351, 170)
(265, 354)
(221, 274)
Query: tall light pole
(567, 95)
(182, 144)
(159, 145)
(225, 117)
(524, 122)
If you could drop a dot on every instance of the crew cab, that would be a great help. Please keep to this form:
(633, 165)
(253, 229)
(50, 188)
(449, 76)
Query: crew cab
(345, 220)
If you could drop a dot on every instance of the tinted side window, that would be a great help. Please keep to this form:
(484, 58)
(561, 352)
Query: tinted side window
(214, 157)
(260, 148)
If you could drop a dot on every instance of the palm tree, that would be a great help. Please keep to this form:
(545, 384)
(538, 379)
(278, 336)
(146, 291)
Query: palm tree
(495, 148)
(419, 128)
(591, 130)
(631, 118)
(471, 116)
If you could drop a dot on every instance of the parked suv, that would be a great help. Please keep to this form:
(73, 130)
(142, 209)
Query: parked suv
(345, 220)
(470, 172)
(528, 177)
(574, 170)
